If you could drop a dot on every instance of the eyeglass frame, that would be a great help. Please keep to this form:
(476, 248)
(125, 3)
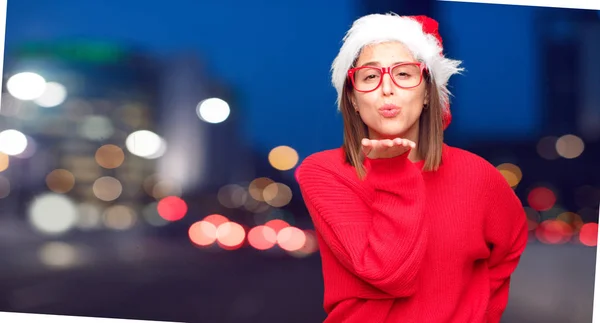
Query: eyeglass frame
(386, 70)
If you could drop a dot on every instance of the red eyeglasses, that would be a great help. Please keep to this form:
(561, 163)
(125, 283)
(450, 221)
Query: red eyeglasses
(404, 75)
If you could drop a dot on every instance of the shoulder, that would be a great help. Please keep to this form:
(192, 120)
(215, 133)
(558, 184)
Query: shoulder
(461, 157)
(331, 162)
(473, 165)
(330, 159)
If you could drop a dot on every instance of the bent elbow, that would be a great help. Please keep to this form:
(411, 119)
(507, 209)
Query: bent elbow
(400, 284)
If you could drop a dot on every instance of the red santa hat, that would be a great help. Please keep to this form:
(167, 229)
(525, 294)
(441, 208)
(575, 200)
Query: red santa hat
(418, 33)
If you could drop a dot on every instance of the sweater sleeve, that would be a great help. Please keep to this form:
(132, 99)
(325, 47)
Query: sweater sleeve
(507, 234)
(376, 228)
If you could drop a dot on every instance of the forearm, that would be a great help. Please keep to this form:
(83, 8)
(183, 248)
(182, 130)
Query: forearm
(507, 232)
(381, 237)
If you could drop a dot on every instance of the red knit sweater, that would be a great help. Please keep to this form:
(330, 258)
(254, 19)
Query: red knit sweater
(405, 245)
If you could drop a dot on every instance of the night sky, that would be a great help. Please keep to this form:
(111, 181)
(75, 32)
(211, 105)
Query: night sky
(277, 57)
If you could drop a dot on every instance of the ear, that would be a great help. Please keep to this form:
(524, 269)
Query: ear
(353, 101)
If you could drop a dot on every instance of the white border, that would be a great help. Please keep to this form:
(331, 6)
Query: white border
(8, 317)
(596, 308)
(570, 4)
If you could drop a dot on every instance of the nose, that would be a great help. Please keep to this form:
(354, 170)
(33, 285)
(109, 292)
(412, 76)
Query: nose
(387, 84)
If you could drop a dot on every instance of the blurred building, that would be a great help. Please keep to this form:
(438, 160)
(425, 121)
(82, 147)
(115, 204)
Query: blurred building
(80, 127)
(200, 119)
(112, 132)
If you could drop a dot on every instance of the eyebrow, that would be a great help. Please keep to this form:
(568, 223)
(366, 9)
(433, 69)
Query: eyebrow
(373, 63)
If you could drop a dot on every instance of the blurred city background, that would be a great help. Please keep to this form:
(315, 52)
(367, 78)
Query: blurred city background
(147, 151)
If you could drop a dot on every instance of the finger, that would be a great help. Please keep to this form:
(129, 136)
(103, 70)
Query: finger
(398, 141)
(406, 143)
(374, 145)
(367, 146)
(387, 143)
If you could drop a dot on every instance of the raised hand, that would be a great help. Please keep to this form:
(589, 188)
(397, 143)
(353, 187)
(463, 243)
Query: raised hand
(386, 148)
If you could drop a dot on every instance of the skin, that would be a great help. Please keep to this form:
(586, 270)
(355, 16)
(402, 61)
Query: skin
(389, 137)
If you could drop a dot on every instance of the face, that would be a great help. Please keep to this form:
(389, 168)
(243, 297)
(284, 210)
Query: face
(384, 123)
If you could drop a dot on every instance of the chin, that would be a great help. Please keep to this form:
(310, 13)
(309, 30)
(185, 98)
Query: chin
(391, 132)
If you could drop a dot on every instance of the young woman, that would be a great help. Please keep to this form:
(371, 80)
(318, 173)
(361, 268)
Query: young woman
(409, 228)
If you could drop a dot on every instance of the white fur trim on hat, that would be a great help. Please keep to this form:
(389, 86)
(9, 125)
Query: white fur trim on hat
(378, 28)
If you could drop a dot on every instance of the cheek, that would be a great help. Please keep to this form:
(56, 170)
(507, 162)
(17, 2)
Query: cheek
(415, 101)
(367, 101)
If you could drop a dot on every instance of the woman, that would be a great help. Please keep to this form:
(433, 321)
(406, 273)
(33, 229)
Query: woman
(409, 228)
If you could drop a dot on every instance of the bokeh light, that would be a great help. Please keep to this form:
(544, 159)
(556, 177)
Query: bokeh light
(164, 188)
(588, 234)
(58, 255)
(96, 128)
(12, 142)
(311, 245)
(54, 94)
(89, 216)
(172, 208)
(52, 213)
(277, 194)
(4, 162)
(150, 182)
(145, 144)
(569, 146)
(541, 198)
(232, 196)
(291, 238)
(511, 172)
(546, 148)
(107, 188)
(216, 219)
(109, 156)
(277, 225)
(257, 187)
(262, 237)
(30, 149)
(213, 110)
(60, 181)
(230, 235)
(283, 158)
(26, 86)
(202, 233)
(572, 219)
(554, 232)
(119, 217)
